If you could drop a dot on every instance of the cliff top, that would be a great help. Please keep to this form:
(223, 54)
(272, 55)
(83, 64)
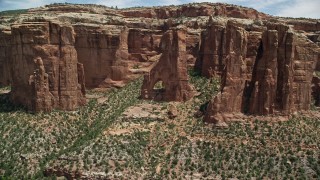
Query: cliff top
(145, 17)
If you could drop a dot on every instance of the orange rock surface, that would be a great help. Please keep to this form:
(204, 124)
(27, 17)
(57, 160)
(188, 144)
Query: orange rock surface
(171, 71)
(267, 65)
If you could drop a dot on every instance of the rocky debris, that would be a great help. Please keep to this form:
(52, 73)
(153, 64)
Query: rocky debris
(172, 111)
(109, 83)
(198, 111)
(144, 110)
(280, 80)
(221, 124)
(198, 114)
(45, 69)
(170, 71)
(102, 100)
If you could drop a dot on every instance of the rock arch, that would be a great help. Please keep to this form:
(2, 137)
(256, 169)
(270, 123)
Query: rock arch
(171, 69)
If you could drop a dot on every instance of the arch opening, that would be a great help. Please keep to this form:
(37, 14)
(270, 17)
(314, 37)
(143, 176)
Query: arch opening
(159, 87)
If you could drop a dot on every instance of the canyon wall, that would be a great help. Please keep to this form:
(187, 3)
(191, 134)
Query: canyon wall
(212, 51)
(51, 54)
(109, 52)
(231, 48)
(205, 9)
(283, 75)
(45, 68)
(143, 44)
(5, 57)
(102, 50)
(278, 82)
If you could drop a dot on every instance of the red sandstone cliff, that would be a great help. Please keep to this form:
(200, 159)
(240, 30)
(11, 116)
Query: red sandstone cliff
(45, 67)
(264, 66)
(194, 10)
(102, 51)
(171, 71)
(232, 53)
(280, 81)
(5, 57)
(282, 77)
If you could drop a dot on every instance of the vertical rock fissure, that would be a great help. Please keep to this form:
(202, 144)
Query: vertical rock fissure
(60, 68)
(248, 92)
(221, 53)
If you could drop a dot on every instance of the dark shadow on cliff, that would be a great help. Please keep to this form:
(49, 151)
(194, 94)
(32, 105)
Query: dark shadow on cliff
(250, 84)
(7, 106)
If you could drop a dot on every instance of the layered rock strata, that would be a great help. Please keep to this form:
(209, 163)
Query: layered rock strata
(280, 81)
(170, 71)
(205, 9)
(102, 51)
(45, 68)
(283, 75)
(109, 47)
(211, 59)
(212, 50)
(143, 44)
(233, 50)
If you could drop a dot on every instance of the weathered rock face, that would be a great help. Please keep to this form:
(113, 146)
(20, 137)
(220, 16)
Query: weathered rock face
(171, 71)
(109, 52)
(143, 44)
(192, 44)
(264, 78)
(212, 53)
(230, 99)
(288, 73)
(102, 51)
(205, 9)
(280, 81)
(264, 67)
(305, 25)
(45, 67)
(254, 49)
(316, 90)
(5, 57)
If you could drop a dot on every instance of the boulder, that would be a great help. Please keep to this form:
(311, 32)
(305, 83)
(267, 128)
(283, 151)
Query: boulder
(172, 111)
